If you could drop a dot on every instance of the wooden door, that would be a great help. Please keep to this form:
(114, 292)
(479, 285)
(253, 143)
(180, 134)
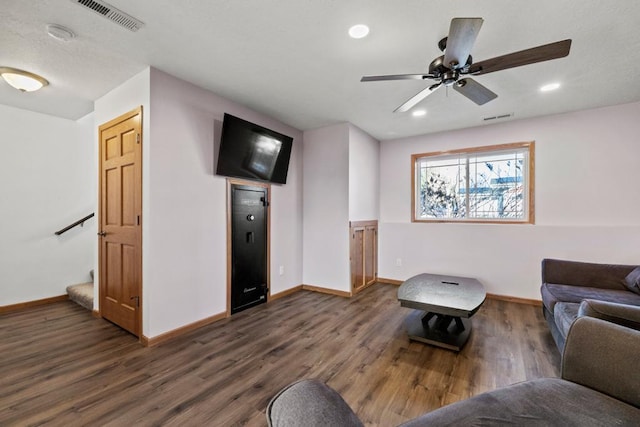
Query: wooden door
(370, 254)
(357, 258)
(363, 253)
(120, 210)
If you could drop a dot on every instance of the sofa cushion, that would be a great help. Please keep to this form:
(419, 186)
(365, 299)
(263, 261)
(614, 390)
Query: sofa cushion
(564, 313)
(632, 281)
(554, 293)
(310, 403)
(588, 274)
(620, 314)
(540, 402)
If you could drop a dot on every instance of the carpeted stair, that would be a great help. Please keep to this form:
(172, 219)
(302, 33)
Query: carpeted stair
(82, 293)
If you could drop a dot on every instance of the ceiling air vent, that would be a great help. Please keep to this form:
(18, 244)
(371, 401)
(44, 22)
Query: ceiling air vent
(112, 13)
(500, 117)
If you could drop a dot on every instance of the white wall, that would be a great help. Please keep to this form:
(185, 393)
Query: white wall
(184, 202)
(341, 182)
(326, 208)
(586, 196)
(185, 252)
(46, 183)
(364, 175)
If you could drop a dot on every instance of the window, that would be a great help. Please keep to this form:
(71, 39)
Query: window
(486, 184)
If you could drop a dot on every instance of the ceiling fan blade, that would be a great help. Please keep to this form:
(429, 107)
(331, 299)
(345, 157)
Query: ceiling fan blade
(524, 57)
(411, 102)
(462, 36)
(474, 91)
(396, 77)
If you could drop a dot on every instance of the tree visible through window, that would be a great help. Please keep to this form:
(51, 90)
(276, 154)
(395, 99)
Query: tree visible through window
(488, 184)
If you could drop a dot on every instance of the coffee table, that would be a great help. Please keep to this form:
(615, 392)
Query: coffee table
(444, 306)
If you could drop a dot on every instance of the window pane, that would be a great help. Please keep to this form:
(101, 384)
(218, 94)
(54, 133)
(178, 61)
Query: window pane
(474, 185)
(439, 186)
(496, 186)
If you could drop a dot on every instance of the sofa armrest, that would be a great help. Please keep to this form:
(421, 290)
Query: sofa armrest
(310, 403)
(603, 356)
(620, 314)
(606, 276)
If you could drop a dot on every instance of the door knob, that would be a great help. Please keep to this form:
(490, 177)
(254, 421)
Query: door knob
(102, 233)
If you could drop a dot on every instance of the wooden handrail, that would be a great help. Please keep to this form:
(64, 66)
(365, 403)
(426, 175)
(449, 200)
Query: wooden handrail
(78, 222)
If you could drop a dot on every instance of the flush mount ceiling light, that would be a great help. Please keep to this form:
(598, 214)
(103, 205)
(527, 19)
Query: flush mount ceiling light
(549, 87)
(22, 80)
(359, 31)
(419, 113)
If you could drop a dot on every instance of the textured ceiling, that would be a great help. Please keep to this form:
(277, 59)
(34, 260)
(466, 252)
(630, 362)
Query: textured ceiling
(293, 59)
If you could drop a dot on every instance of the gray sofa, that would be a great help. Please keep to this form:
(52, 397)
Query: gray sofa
(600, 386)
(565, 284)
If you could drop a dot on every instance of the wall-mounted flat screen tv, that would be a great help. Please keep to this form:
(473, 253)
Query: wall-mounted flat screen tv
(253, 152)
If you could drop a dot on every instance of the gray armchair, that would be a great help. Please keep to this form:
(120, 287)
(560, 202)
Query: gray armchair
(599, 385)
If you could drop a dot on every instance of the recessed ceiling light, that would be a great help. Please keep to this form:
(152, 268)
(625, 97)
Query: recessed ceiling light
(549, 87)
(22, 80)
(60, 33)
(359, 31)
(419, 113)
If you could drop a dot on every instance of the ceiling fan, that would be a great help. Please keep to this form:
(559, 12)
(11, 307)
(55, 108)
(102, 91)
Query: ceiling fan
(456, 62)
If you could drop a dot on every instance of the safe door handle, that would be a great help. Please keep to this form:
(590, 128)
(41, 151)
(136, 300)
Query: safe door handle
(250, 237)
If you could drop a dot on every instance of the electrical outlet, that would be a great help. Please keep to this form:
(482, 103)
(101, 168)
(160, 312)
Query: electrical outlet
(398, 262)
(281, 270)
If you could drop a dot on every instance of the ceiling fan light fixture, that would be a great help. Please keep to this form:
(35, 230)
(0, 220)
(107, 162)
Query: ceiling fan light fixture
(359, 31)
(22, 80)
(549, 87)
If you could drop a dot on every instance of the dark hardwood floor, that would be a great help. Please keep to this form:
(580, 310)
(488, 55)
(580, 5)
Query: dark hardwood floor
(61, 366)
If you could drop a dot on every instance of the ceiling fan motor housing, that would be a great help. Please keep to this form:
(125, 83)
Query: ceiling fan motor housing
(437, 67)
(450, 77)
(447, 76)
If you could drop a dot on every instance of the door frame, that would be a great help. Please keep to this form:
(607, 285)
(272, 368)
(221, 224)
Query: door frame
(138, 183)
(267, 187)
